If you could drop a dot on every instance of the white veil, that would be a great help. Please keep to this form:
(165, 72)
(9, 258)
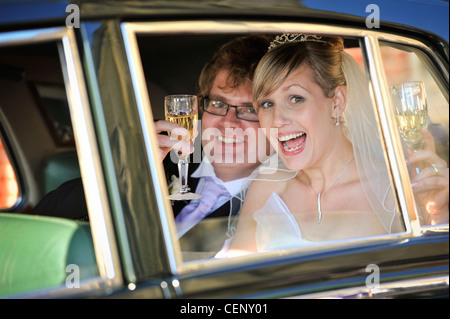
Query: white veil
(362, 130)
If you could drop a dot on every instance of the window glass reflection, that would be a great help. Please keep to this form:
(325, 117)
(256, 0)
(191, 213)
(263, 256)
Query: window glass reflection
(9, 189)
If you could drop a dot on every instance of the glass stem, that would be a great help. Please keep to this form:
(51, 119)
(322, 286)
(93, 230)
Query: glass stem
(420, 166)
(183, 173)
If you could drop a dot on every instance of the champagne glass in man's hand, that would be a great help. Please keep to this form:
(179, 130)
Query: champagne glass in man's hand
(183, 110)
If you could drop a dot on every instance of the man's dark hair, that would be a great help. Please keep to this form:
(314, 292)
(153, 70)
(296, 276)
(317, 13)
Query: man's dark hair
(239, 57)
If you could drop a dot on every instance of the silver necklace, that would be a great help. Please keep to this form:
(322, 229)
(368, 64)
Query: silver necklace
(320, 195)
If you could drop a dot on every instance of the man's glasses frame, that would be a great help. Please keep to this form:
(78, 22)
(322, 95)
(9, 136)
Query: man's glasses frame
(220, 108)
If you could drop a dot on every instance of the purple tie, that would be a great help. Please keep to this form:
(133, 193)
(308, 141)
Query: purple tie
(192, 213)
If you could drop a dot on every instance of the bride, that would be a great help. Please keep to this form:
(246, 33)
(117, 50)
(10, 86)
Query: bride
(313, 102)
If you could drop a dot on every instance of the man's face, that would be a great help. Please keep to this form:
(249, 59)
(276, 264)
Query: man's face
(234, 146)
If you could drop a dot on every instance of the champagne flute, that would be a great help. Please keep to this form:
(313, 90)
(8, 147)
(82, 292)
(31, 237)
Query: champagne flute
(411, 113)
(183, 110)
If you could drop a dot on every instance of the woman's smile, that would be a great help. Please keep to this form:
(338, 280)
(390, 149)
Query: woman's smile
(292, 143)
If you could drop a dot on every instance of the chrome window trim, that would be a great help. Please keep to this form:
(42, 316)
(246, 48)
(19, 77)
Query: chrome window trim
(384, 290)
(106, 252)
(92, 287)
(147, 124)
(91, 170)
(381, 101)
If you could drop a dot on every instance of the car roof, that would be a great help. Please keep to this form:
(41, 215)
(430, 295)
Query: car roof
(429, 15)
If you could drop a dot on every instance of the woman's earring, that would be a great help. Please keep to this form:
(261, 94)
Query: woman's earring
(337, 118)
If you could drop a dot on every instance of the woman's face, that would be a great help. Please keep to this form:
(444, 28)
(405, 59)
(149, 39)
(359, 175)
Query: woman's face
(298, 117)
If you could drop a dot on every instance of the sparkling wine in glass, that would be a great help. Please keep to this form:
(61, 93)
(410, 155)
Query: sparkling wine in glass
(411, 112)
(183, 110)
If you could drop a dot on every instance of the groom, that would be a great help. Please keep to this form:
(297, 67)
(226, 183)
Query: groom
(232, 147)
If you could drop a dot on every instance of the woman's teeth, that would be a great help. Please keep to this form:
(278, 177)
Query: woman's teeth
(289, 137)
(287, 149)
(285, 138)
(229, 140)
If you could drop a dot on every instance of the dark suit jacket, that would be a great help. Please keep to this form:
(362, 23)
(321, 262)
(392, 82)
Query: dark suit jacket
(68, 201)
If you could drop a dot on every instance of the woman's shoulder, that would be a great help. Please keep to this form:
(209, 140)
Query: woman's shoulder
(271, 183)
(263, 186)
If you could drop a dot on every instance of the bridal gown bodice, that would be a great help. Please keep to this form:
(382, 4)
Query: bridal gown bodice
(276, 226)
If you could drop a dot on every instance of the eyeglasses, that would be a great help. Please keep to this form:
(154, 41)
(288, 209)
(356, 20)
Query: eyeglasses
(246, 113)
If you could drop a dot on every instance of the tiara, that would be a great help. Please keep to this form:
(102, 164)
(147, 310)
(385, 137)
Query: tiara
(294, 37)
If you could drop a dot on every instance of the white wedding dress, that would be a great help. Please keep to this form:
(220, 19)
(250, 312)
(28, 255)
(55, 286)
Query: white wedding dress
(276, 227)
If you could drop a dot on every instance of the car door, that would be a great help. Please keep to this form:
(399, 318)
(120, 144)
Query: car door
(415, 257)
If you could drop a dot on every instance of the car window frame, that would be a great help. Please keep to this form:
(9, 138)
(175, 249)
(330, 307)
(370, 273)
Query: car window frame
(106, 252)
(369, 43)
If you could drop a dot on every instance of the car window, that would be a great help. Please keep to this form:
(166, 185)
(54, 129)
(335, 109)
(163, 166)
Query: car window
(40, 251)
(168, 68)
(407, 69)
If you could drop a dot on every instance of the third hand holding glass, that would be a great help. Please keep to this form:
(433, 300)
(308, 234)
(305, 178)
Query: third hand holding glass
(183, 110)
(430, 178)
(411, 112)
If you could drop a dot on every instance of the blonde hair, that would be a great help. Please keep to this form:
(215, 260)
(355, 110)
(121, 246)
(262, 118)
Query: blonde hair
(324, 59)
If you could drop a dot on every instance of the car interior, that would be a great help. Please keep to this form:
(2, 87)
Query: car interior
(35, 123)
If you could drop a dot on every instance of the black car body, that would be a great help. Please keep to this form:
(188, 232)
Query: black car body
(110, 63)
